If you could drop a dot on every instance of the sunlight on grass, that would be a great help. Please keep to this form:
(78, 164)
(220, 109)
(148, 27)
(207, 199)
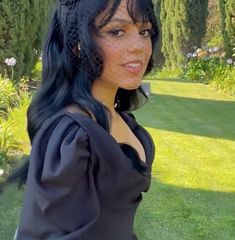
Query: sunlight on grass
(192, 194)
(197, 90)
(194, 161)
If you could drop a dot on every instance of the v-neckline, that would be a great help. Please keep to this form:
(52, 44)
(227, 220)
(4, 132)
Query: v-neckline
(131, 124)
(133, 128)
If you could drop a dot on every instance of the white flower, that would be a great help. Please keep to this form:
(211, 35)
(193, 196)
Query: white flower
(1, 172)
(198, 50)
(211, 50)
(189, 55)
(10, 62)
(230, 61)
(194, 54)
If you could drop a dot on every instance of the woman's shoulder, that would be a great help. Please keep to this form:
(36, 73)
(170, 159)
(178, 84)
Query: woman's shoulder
(73, 119)
(61, 124)
(61, 144)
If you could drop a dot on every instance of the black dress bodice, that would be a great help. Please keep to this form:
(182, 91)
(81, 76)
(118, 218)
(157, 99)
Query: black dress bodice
(82, 184)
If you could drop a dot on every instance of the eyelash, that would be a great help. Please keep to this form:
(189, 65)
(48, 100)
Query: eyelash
(113, 32)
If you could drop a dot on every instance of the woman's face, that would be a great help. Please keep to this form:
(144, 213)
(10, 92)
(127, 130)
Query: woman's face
(127, 49)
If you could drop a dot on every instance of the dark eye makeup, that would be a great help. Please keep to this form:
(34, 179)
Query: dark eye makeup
(115, 32)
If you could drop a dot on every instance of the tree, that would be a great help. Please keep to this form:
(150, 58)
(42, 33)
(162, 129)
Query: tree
(22, 28)
(183, 25)
(227, 9)
(157, 54)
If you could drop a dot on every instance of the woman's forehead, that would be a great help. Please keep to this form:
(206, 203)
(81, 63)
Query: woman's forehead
(120, 11)
(120, 15)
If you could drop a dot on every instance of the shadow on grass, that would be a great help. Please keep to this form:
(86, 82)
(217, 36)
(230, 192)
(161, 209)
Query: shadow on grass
(174, 213)
(10, 207)
(167, 212)
(200, 117)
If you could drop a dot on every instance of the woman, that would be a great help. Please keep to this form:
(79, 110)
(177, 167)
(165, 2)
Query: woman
(90, 160)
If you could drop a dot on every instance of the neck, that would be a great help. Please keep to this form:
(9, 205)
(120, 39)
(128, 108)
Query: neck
(105, 95)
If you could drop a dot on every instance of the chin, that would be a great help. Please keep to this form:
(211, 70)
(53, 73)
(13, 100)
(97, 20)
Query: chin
(128, 85)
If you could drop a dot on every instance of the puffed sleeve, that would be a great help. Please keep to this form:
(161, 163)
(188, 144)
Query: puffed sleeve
(60, 197)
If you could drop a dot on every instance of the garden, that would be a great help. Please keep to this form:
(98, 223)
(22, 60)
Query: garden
(190, 115)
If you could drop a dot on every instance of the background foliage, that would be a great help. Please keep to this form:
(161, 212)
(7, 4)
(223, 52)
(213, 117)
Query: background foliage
(227, 9)
(13, 135)
(183, 115)
(183, 25)
(22, 28)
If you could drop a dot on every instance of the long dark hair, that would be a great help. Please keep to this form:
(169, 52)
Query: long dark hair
(68, 72)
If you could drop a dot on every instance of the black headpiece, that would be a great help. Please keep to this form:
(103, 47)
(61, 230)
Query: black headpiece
(70, 30)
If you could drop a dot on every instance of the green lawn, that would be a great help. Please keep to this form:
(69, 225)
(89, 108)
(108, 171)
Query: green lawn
(192, 195)
(10, 206)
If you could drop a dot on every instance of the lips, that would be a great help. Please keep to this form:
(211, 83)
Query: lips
(134, 67)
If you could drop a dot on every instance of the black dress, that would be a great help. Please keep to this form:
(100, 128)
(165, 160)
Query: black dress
(82, 184)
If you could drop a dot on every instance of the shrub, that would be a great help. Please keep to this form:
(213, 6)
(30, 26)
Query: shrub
(13, 134)
(224, 79)
(17, 118)
(213, 71)
(9, 97)
(8, 143)
(201, 69)
(168, 73)
(22, 28)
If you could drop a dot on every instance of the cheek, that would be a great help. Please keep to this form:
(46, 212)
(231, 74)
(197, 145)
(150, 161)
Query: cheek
(149, 49)
(112, 52)
(112, 59)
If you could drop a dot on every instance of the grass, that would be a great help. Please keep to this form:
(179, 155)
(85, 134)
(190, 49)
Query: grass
(192, 195)
(10, 206)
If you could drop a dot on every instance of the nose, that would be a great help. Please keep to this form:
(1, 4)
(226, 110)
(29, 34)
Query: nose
(136, 43)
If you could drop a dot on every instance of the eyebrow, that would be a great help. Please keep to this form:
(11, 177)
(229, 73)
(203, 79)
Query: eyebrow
(122, 20)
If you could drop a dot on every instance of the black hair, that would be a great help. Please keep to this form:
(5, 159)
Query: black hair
(68, 72)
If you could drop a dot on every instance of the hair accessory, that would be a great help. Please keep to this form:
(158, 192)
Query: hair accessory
(117, 103)
(79, 49)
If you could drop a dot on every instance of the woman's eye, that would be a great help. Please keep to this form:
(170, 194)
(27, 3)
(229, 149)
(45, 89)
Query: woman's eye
(119, 32)
(116, 32)
(146, 32)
